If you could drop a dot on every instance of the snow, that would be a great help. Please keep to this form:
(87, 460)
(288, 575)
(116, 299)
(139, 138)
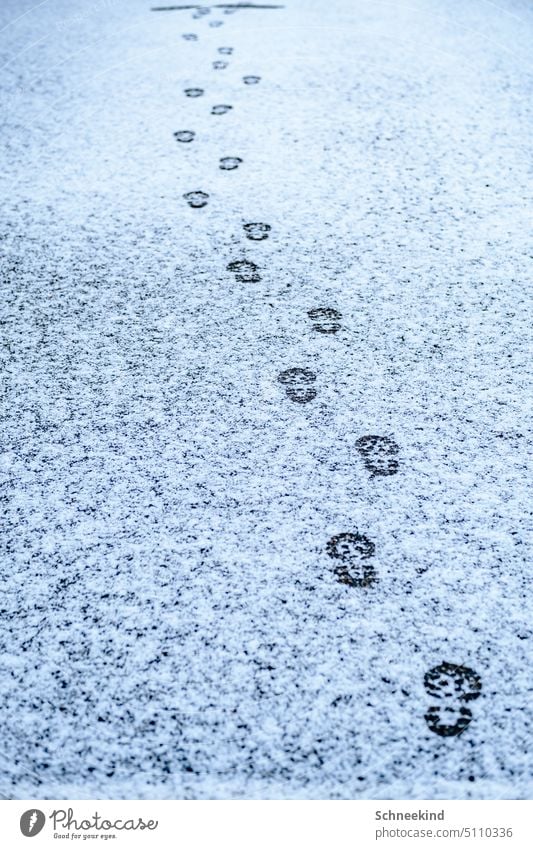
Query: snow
(172, 624)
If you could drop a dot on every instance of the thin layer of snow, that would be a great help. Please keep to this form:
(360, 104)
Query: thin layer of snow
(172, 625)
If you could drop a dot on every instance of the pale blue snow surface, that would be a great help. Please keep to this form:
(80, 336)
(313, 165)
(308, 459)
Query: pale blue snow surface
(175, 618)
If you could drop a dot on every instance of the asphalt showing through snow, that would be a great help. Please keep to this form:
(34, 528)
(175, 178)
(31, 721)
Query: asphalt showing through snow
(266, 314)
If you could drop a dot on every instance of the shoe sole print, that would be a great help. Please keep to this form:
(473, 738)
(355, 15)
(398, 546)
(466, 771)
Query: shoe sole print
(451, 687)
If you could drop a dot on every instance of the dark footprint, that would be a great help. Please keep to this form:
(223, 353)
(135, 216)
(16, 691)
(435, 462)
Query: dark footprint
(298, 384)
(226, 51)
(229, 163)
(219, 66)
(257, 232)
(327, 319)
(244, 270)
(194, 92)
(201, 11)
(251, 80)
(184, 135)
(379, 454)
(456, 685)
(216, 23)
(353, 551)
(196, 199)
(220, 109)
(190, 36)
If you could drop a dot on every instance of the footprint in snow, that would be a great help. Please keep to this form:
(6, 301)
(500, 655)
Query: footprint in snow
(196, 199)
(194, 92)
(229, 163)
(379, 454)
(257, 232)
(226, 51)
(354, 553)
(251, 80)
(452, 686)
(220, 109)
(326, 319)
(298, 383)
(245, 271)
(216, 23)
(190, 36)
(184, 135)
(219, 66)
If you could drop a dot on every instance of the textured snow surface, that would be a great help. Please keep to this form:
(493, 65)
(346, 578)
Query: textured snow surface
(212, 585)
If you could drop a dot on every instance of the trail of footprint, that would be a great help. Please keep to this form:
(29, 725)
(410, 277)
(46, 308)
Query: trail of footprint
(326, 319)
(245, 271)
(230, 163)
(379, 454)
(257, 232)
(184, 135)
(196, 200)
(455, 685)
(353, 551)
(298, 384)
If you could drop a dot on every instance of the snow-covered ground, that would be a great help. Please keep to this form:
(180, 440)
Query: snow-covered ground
(211, 586)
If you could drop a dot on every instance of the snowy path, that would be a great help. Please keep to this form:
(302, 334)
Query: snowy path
(214, 583)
